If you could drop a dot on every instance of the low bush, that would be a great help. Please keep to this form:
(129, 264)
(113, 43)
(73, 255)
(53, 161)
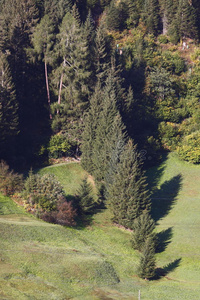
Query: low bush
(189, 150)
(45, 191)
(63, 215)
(10, 182)
(46, 199)
(163, 39)
(58, 146)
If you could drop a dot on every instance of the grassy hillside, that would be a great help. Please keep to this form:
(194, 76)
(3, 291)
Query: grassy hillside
(45, 261)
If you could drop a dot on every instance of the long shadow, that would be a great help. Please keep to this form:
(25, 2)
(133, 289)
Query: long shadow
(164, 239)
(82, 220)
(164, 198)
(160, 272)
(155, 173)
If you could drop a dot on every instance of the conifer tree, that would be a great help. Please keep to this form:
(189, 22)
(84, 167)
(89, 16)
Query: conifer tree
(117, 143)
(143, 228)
(56, 9)
(71, 78)
(8, 108)
(90, 125)
(112, 97)
(147, 266)
(85, 199)
(128, 194)
(151, 16)
(186, 16)
(101, 52)
(89, 36)
(184, 22)
(42, 40)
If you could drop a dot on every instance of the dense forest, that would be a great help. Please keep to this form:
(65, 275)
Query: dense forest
(60, 59)
(113, 82)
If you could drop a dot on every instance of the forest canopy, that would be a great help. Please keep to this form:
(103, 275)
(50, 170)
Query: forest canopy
(60, 59)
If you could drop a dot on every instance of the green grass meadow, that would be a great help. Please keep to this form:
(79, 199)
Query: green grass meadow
(45, 261)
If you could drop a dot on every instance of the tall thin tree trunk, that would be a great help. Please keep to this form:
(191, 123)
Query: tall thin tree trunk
(60, 90)
(47, 87)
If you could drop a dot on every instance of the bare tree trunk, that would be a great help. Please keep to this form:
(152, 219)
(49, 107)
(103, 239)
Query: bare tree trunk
(164, 21)
(47, 87)
(60, 90)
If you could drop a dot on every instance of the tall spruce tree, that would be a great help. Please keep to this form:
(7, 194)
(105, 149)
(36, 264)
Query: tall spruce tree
(8, 110)
(85, 198)
(112, 97)
(71, 78)
(128, 194)
(90, 125)
(101, 52)
(147, 266)
(151, 16)
(184, 23)
(143, 228)
(186, 16)
(43, 38)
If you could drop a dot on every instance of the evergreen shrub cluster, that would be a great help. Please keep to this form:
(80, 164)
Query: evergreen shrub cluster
(45, 198)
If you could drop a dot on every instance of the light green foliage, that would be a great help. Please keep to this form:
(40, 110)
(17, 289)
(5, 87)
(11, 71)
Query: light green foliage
(58, 146)
(189, 148)
(169, 134)
(163, 39)
(42, 260)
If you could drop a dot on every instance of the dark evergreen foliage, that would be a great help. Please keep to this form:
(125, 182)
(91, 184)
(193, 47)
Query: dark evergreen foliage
(128, 193)
(9, 121)
(85, 201)
(143, 228)
(147, 266)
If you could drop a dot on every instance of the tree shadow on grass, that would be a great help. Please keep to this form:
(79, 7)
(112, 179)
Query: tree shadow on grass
(160, 272)
(164, 239)
(82, 219)
(164, 198)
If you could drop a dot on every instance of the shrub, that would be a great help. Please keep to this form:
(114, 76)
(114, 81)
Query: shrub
(64, 215)
(163, 39)
(10, 182)
(58, 146)
(46, 199)
(169, 134)
(190, 150)
(45, 191)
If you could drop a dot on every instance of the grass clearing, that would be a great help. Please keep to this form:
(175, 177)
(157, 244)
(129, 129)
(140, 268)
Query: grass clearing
(45, 261)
